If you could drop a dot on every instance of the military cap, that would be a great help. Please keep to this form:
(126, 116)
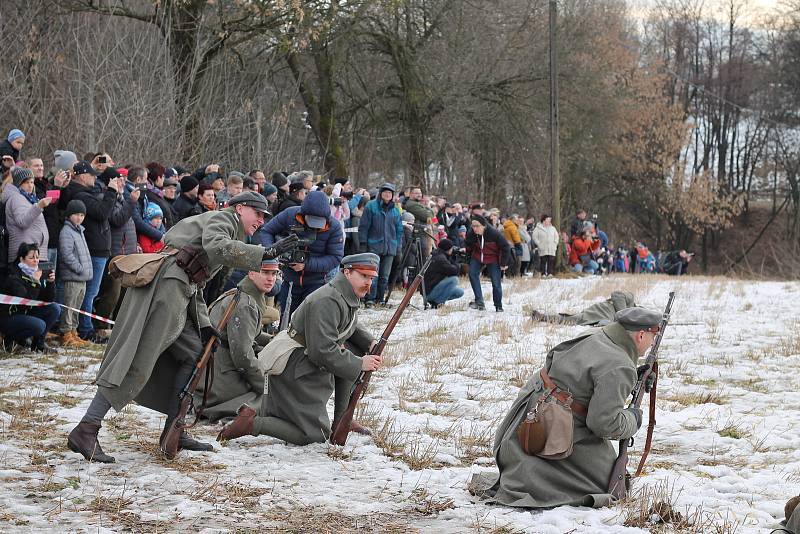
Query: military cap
(638, 318)
(270, 265)
(252, 199)
(366, 262)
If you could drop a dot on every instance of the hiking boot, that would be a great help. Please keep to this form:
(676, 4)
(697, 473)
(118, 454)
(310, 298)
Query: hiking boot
(41, 346)
(480, 306)
(93, 337)
(70, 340)
(241, 426)
(83, 440)
(498, 309)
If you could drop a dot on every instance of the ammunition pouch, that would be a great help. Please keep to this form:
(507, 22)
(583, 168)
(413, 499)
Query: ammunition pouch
(194, 263)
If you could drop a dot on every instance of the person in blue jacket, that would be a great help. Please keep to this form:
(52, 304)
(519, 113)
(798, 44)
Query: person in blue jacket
(381, 229)
(323, 242)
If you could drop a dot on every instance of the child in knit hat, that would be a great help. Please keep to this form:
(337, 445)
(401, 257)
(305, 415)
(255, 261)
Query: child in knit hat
(74, 270)
(154, 217)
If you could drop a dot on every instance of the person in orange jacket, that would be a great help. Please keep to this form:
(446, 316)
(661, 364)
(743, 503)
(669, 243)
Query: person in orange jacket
(580, 255)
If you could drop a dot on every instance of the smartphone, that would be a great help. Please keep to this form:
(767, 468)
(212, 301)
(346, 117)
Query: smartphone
(102, 159)
(45, 266)
(54, 194)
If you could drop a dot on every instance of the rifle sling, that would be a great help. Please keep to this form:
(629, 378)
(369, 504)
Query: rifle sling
(651, 424)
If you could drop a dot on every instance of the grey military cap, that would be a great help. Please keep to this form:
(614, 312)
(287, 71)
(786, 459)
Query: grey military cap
(366, 261)
(252, 199)
(638, 318)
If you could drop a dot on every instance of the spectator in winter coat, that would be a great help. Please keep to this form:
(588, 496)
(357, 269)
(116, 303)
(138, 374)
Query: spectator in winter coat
(325, 247)
(441, 278)
(297, 193)
(489, 250)
(525, 257)
(12, 144)
(381, 229)
(100, 202)
(206, 198)
(677, 262)
(546, 237)
(154, 217)
(511, 233)
(52, 219)
(24, 219)
(234, 186)
(26, 280)
(577, 224)
(74, 270)
(461, 238)
(186, 204)
(580, 256)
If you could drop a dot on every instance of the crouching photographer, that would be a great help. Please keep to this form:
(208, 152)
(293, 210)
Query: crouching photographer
(319, 253)
(441, 278)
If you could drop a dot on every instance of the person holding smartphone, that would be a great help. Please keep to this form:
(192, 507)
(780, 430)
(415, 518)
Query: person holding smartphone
(24, 219)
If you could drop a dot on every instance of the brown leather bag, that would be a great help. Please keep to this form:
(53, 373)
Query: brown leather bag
(137, 270)
(547, 429)
(194, 263)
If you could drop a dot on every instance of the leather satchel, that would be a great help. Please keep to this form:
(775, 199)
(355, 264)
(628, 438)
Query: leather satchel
(547, 429)
(137, 270)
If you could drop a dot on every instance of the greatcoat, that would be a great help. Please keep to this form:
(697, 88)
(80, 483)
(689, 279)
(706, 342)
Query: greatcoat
(599, 314)
(237, 379)
(599, 369)
(327, 322)
(152, 317)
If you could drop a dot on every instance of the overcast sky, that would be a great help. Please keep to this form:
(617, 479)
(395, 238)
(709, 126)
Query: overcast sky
(757, 8)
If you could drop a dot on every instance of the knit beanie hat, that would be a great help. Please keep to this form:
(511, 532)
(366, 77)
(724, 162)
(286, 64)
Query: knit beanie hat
(462, 229)
(20, 175)
(279, 179)
(188, 183)
(152, 211)
(75, 206)
(65, 159)
(480, 219)
(269, 189)
(15, 134)
(445, 244)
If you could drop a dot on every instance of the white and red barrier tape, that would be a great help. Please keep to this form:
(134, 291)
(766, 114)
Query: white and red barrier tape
(19, 301)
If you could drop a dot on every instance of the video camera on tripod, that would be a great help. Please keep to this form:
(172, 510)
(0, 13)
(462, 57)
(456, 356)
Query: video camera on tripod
(300, 251)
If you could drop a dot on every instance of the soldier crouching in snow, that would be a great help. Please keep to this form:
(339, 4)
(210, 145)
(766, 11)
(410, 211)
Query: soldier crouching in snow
(237, 379)
(162, 327)
(320, 353)
(599, 370)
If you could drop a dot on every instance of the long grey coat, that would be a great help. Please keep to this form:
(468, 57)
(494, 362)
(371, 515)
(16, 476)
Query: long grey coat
(599, 369)
(237, 379)
(599, 314)
(300, 394)
(25, 222)
(152, 317)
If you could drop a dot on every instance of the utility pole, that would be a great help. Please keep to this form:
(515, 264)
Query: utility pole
(555, 177)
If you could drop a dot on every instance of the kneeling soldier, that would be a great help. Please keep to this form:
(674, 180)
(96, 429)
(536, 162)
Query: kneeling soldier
(237, 379)
(599, 369)
(323, 344)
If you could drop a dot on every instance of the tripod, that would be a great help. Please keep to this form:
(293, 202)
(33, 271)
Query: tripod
(411, 262)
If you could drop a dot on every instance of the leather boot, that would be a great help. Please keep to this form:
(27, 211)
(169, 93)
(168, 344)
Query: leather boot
(83, 440)
(186, 441)
(242, 425)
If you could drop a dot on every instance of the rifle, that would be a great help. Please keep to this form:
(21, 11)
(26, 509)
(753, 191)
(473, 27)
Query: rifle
(619, 482)
(169, 445)
(287, 309)
(339, 434)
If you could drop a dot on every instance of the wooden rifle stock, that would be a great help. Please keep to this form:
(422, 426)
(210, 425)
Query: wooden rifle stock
(618, 482)
(340, 433)
(169, 445)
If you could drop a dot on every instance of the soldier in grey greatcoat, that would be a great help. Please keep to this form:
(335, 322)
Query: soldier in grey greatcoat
(790, 525)
(162, 327)
(599, 369)
(237, 379)
(325, 358)
(599, 314)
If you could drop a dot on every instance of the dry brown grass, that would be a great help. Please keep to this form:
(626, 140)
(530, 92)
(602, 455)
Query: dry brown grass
(698, 397)
(425, 504)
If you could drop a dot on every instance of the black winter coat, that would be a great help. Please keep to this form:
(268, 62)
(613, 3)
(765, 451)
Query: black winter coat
(288, 202)
(441, 267)
(185, 207)
(99, 201)
(18, 284)
(52, 214)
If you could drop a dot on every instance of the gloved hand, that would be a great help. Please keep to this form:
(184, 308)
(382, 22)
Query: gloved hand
(205, 334)
(651, 378)
(637, 413)
(280, 246)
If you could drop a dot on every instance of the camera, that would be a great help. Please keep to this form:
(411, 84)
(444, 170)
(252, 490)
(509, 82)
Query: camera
(102, 159)
(300, 252)
(462, 257)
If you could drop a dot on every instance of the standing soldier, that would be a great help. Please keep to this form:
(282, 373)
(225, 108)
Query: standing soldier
(599, 370)
(237, 379)
(323, 344)
(599, 314)
(162, 327)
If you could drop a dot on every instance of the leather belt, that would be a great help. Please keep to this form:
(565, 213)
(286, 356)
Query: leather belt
(562, 396)
(296, 336)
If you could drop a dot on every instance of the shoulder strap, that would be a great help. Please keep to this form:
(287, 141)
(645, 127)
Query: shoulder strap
(651, 423)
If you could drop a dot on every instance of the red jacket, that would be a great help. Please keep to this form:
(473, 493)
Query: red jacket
(581, 247)
(149, 245)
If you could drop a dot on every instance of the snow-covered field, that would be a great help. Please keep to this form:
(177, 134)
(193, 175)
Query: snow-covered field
(725, 452)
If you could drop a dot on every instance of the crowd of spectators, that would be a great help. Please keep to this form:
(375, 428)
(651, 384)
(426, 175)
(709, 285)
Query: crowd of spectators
(60, 228)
